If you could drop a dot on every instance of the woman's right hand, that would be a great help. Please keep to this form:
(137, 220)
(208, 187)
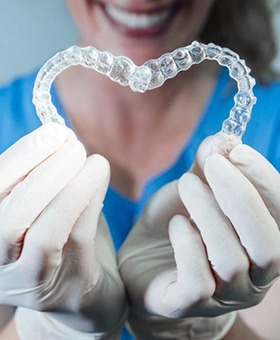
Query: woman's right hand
(56, 254)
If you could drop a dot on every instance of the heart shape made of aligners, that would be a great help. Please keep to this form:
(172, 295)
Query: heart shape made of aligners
(150, 76)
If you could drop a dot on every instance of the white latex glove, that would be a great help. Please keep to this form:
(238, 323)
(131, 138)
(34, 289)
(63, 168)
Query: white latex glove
(204, 249)
(51, 201)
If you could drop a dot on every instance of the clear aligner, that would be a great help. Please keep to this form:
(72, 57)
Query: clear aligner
(149, 76)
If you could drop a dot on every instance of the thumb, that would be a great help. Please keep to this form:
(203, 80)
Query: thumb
(202, 153)
(219, 143)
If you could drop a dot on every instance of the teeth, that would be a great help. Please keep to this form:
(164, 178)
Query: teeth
(136, 20)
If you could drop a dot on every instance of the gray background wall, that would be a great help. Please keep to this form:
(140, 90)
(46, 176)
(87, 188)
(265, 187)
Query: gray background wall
(32, 30)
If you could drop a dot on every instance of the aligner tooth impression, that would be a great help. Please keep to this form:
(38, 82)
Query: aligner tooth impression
(149, 76)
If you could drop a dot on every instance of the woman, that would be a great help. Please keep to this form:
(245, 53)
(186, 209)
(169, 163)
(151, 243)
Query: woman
(150, 140)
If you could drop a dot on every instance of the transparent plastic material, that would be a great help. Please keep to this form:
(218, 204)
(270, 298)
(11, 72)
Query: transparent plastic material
(149, 76)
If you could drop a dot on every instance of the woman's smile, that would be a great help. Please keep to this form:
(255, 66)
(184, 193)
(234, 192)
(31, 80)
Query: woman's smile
(140, 22)
(139, 29)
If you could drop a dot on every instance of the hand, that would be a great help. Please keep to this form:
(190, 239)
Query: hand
(205, 249)
(51, 258)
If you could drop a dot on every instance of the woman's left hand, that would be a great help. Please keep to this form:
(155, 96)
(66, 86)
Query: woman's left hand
(207, 249)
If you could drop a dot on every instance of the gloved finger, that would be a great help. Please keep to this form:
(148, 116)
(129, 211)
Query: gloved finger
(172, 293)
(242, 204)
(23, 156)
(83, 240)
(104, 246)
(46, 238)
(262, 175)
(204, 150)
(225, 253)
(99, 172)
(27, 200)
(162, 207)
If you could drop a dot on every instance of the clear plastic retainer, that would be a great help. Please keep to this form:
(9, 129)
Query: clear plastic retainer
(149, 76)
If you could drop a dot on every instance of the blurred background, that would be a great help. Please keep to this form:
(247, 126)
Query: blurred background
(31, 31)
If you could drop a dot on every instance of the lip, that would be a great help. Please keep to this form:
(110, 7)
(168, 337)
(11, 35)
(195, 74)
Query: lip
(144, 32)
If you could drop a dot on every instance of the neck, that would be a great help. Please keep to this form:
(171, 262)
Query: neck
(124, 126)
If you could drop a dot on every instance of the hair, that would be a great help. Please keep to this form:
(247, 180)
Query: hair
(245, 26)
